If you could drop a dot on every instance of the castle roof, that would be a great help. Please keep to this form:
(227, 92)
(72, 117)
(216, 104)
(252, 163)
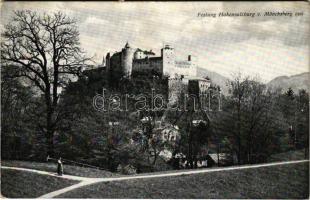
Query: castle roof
(196, 78)
(145, 52)
(116, 54)
(149, 52)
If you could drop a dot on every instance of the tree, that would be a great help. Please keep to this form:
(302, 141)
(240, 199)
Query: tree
(251, 119)
(47, 51)
(302, 124)
(238, 90)
(193, 122)
(18, 112)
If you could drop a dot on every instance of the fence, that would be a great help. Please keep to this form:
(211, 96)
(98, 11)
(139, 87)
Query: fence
(74, 163)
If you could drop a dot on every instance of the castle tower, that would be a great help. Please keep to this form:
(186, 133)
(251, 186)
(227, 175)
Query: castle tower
(168, 56)
(126, 60)
(193, 60)
(107, 61)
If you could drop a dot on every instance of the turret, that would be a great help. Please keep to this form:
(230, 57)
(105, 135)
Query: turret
(127, 58)
(107, 61)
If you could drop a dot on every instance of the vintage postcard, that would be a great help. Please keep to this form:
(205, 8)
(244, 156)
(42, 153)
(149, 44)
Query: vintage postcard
(155, 100)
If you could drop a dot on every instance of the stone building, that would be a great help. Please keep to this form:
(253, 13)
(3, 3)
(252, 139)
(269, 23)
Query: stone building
(134, 61)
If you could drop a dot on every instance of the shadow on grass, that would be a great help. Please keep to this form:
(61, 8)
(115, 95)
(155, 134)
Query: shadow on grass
(21, 184)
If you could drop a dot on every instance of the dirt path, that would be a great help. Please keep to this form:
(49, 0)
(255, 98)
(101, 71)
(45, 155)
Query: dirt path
(77, 178)
(87, 181)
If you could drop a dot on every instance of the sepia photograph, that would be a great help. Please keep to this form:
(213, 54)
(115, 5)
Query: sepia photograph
(155, 100)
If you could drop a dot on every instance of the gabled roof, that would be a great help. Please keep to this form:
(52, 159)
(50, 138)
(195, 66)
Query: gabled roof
(145, 51)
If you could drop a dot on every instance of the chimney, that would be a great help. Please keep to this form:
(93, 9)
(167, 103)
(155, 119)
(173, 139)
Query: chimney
(189, 58)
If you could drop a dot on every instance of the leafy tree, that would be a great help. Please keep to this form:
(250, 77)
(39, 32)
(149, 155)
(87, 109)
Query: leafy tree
(251, 119)
(302, 127)
(238, 90)
(19, 112)
(194, 124)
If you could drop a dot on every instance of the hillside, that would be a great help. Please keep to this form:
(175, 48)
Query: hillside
(216, 78)
(296, 82)
(288, 181)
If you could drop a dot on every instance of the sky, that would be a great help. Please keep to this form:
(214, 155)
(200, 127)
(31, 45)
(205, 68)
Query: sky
(263, 46)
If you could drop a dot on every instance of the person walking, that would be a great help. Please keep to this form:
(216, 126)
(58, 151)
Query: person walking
(59, 167)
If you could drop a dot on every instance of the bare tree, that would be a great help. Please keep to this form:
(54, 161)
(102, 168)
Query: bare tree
(253, 119)
(238, 90)
(46, 49)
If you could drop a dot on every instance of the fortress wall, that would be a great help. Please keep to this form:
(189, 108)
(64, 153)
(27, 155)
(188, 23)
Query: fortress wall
(176, 86)
(115, 63)
(185, 68)
(148, 65)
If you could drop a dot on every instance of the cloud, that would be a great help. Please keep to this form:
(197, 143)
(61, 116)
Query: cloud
(268, 46)
(267, 59)
(292, 31)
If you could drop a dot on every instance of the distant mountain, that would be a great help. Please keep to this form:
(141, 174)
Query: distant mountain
(216, 78)
(296, 82)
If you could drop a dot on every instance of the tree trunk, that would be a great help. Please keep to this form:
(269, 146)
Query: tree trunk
(49, 133)
(249, 150)
(239, 149)
(50, 143)
(239, 131)
(155, 156)
(218, 154)
(195, 162)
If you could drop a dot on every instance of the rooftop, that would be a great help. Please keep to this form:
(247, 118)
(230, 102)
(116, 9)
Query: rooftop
(196, 78)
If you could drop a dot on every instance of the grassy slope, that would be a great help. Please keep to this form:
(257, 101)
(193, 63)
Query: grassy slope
(286, 181)
(287, 156)
(68, 169)
(21, 184)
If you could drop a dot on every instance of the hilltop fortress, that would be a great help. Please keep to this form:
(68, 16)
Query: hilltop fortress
(130, 62)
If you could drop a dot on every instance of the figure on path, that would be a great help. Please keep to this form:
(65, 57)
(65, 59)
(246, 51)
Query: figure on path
(59, 167)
